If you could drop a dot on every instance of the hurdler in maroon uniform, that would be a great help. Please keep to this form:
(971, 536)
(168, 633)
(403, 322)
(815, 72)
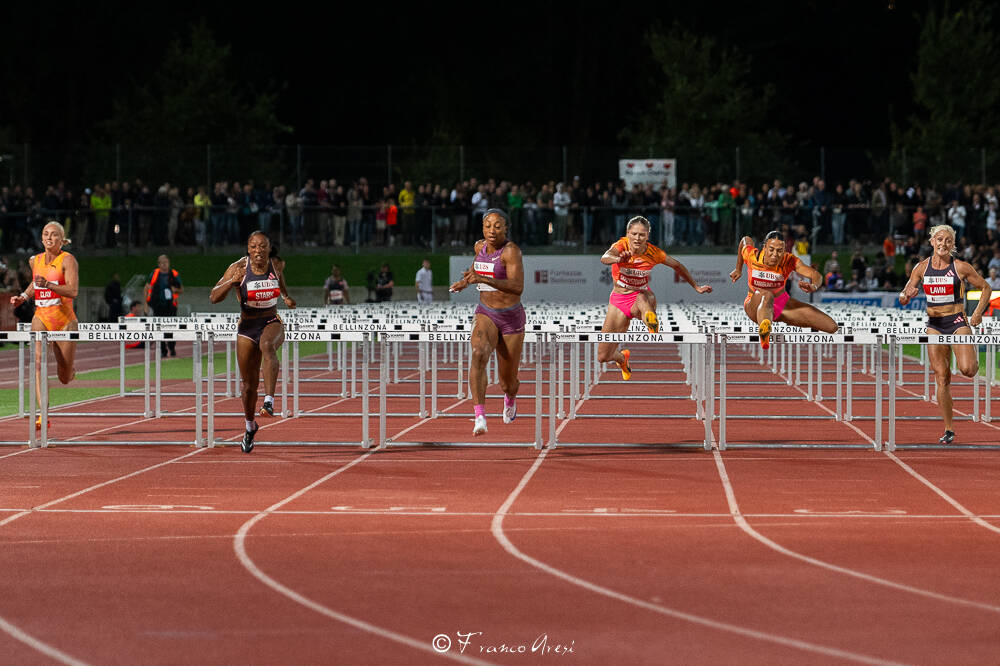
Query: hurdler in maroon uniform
(260, 332)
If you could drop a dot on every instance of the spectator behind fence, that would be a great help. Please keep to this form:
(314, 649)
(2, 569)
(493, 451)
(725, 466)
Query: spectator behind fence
(162, 289)
(113, 297)
(384, 284)
(425, 283)
(100, 202)
(994, 279)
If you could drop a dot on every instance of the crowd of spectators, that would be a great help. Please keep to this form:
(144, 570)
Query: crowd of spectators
(329, 213)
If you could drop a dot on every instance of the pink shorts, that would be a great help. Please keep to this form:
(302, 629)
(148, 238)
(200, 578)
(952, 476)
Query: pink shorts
(780, 301)
(624, 302)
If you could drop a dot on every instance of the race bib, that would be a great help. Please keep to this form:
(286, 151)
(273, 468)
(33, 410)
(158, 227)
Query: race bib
(263, 294)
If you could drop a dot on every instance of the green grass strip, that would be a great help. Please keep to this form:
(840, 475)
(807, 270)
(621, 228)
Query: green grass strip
(171, 369)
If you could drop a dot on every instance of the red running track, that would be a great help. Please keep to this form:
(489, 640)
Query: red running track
(163, 555)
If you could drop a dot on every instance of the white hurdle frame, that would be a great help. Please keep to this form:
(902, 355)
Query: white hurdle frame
(697, 364)
(781, 341)
(447, 337)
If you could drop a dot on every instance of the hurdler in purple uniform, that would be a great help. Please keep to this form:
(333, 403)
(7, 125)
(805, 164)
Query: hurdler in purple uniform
(498, 273)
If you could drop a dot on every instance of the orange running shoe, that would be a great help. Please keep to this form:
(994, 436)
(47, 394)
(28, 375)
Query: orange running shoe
(652, 323)
(38, 423)
(765, 333)
(624, 366)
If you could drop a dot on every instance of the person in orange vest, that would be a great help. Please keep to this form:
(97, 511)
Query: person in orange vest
(162, 289)
(136, 309)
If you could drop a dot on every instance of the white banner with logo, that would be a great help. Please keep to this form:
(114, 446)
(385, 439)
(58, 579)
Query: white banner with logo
(584, 279)
(648, 170)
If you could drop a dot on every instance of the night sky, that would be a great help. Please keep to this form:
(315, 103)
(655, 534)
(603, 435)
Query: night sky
(548, 73)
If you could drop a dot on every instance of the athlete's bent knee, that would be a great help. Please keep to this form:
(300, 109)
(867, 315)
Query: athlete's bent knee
(970, 370)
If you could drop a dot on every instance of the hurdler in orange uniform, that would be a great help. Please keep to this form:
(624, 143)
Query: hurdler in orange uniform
(51, 309)
(632, 259)
(767, 300)
(54, 286)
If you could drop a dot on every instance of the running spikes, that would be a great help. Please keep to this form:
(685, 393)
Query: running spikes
(625, 366)
(480, 427)
(38, 423)
(267, 409)
(247, 444)
(765, 333)
(652, 323)
(948, 437)
(510, 411)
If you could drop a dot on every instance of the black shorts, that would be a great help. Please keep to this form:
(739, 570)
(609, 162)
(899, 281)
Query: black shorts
(252, 327)
(947, 324)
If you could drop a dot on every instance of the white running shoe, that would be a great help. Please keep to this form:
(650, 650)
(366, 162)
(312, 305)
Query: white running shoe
(510, 413)
(480, 427)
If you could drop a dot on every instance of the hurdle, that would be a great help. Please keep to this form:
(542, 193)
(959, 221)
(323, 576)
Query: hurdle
(987, 340)
(293, 336)
(811, 339)
(432, 339)
(106, 335)
(695, 358)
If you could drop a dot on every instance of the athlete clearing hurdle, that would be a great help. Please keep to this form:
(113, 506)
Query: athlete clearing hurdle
(767, 300)
(632, 259)
(944, 279)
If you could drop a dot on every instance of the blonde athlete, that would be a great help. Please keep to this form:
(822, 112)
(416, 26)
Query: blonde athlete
(632, 259)
(55, 283)
(944, 279)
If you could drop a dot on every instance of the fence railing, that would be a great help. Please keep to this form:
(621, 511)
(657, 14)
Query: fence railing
(133, 228)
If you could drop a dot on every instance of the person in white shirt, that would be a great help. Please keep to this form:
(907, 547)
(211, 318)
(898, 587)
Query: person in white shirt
(425, 290)
(994, 279)
(956, 218)
(560, 202)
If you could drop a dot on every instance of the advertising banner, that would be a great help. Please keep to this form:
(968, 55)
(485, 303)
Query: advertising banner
(648, 170)
(584, 279)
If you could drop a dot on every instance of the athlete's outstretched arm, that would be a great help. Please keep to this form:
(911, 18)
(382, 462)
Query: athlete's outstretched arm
(682, 270)
(967, 272)
(746, 241)
(283, 288)
(813, 280)
(916, 277)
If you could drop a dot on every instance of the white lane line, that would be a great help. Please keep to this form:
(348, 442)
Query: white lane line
(498, 533)
(239, 546)
(746, 527)
(32, 642)
(11, 519)
(17, 453)
(13, 630)
(978, 520)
